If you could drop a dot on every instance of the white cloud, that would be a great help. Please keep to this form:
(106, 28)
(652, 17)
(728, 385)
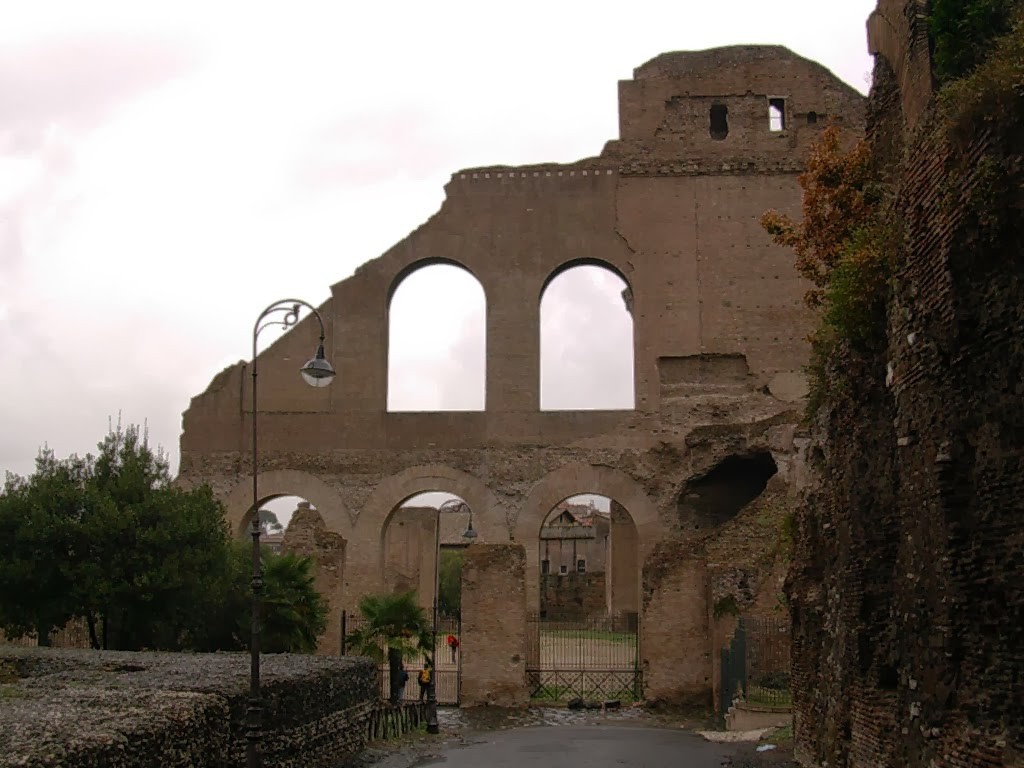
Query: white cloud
(167, 170)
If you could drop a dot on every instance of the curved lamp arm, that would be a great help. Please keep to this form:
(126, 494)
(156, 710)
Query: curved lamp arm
(318, 373)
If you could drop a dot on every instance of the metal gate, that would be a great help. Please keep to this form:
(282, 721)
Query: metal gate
(734, 668)
(755, 666)
(594, 659)
(447, 672)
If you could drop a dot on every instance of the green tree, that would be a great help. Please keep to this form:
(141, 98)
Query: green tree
(39, 516)
(293, 612)
(269, 521)
(109, 540)
(449, 594)
(963, 32)
(396, 628)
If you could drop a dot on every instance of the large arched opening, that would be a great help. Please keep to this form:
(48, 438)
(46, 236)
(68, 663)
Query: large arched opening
(586, 339)
(437, 340)
(291, 524)
(423, 540)
(583, 642)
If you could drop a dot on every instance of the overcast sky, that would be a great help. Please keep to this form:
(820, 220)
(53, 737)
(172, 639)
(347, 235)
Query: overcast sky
(169, 169)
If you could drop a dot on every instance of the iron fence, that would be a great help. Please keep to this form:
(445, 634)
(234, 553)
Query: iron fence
(447, 669)
(592, 659)
(769, 642)
(755, 665)
(74, 634)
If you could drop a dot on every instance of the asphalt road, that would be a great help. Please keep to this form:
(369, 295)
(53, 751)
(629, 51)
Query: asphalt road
(592, 747)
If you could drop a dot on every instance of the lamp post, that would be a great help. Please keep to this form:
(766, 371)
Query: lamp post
(452, 505)
(317, 373)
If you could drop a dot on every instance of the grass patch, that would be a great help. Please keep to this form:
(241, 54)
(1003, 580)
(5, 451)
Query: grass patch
(549, 694)
(9, 692)
(591, 634)
(768, 697)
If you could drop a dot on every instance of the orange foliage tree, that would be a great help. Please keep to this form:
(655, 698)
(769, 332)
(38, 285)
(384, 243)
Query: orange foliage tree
(840, 200)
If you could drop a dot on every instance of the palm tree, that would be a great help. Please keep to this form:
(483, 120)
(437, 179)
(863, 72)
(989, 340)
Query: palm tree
(395, 623)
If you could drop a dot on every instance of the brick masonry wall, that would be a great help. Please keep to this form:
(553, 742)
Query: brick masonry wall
(494, 641)
(907, 597)
(307, 535)
(674, 649)
(574, 595)
(719, 340)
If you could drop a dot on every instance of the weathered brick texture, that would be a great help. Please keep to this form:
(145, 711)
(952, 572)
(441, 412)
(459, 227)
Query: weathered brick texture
(907, 593)
(719, 341)
(494, 626)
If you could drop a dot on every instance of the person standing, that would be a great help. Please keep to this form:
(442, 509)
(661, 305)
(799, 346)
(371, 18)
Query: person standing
(423, 678)
(453, 645)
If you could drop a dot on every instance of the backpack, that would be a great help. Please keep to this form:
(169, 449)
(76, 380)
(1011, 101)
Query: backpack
(424, 676)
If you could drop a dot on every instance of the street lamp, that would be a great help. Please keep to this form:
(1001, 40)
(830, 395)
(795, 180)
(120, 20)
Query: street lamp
(452, 505)
(317, 373)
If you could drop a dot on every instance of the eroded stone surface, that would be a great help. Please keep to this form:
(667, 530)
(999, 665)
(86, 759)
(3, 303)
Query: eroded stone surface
(720, 333)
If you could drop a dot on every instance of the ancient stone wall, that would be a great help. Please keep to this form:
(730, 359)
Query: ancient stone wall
(719, 335)
(308, 535)
(906, 591)
(675, 652)
(494, 626)
(574, 595)
(111, 709)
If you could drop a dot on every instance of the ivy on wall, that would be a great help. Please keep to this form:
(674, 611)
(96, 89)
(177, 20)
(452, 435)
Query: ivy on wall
(962, 33)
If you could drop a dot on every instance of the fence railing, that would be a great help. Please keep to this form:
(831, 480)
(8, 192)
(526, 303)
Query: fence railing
(389, 722)
(74, 634)
(769, 645)
(755, 665)
(593, 658)
(446, 666)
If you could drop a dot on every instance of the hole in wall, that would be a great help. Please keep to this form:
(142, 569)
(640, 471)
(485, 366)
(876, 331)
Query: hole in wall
(719, 495)
(719, 121)
(812, 118)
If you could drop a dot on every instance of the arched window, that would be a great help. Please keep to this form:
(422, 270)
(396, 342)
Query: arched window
(437, 341)
(586, 341)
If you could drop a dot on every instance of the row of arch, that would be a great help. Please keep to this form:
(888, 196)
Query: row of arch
(489, 515)
(437, 345)
(365, 534)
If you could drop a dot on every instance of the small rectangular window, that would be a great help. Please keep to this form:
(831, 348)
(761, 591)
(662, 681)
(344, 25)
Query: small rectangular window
(545, 567)
(776, 114)
(581, 566)
(563, 569)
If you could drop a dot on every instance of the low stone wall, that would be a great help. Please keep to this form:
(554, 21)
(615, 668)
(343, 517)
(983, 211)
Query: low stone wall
(64, 708)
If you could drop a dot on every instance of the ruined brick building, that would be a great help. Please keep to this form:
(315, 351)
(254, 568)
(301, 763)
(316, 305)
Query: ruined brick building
(708, 141)
(907, 589)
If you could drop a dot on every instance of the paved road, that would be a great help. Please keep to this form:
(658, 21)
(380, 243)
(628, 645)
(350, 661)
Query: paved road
(592, 747)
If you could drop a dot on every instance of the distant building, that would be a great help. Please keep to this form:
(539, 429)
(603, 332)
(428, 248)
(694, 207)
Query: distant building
(274, 540)
(575, 540)
(574, 545)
